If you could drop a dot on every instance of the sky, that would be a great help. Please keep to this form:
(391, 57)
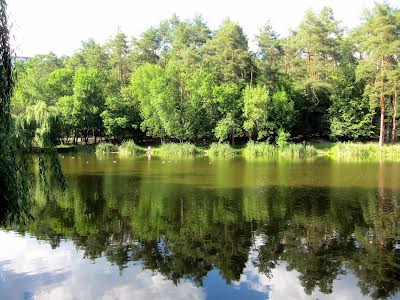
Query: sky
(41, 26)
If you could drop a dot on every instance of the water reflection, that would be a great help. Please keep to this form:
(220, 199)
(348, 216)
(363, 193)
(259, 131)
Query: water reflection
(227, 229)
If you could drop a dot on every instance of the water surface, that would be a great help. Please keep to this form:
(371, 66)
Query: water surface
(208, 229)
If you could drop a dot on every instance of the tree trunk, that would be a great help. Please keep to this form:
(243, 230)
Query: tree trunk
(382, 104)
(387, 131)
(394, 134)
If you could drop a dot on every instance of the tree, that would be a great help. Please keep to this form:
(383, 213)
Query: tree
(255, 111)
(147, 86)
(119, 51)
(88, 101)
(31, 85)
(311, 60)
(227, 53)
(269, 56)
(379, 42)
(121, 115)
(173, 100)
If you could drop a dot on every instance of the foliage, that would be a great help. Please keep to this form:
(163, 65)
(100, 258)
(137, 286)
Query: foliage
(255, 111)
(282, 138)
(180, 80)
(14, 186)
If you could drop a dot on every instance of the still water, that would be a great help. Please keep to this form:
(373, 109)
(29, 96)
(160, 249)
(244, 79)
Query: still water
(208, 229)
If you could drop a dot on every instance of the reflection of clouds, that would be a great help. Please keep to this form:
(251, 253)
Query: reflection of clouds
(285, 284)
(32, 270)
(253, 279)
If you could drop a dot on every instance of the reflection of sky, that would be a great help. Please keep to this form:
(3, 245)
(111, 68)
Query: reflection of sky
(30, 269)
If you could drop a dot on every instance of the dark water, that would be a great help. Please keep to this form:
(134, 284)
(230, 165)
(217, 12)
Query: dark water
(215, 229)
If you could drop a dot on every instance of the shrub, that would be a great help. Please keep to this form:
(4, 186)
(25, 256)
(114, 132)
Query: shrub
(283, 138)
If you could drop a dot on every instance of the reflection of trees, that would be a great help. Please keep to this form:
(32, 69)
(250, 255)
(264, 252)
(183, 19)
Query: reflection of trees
(182, 231)
(357, 229)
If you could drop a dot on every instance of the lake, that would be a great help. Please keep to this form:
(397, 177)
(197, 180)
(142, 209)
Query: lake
(165, 228)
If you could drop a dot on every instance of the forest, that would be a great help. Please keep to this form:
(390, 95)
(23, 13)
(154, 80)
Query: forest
(180, 81)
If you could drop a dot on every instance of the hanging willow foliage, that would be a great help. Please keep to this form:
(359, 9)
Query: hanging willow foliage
(14, 186)
(37, 127)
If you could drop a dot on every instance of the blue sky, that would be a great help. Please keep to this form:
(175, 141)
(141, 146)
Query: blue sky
(41, 26)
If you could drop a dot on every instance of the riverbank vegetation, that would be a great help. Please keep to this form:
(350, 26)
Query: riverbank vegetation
(181, 82)
(339, 150)
(289, 150)
(221, 150)
(364, 151)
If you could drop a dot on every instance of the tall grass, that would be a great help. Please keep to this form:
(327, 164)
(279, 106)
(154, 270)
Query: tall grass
(175, 149)
(365, 151)
(290, 150)
(104, 148)
(130, 148)
(221, 150)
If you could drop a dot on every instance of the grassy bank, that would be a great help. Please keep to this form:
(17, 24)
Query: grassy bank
(290, 150)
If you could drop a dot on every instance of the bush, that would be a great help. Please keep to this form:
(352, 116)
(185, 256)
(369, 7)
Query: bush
(283, 138)
(106, 148)
(175, 149)
(221, 150)
(290, 150)
(130, 148)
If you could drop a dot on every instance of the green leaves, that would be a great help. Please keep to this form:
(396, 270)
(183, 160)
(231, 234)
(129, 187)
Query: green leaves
(255, 111)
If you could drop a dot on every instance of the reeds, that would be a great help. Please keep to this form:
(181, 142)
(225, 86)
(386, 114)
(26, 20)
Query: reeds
(221, 150)
(105, 148)
(290, 150)
(130, 148)
(177, 149)
(365, 151)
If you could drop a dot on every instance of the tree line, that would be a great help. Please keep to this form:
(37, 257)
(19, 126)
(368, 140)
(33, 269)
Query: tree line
(182, 81)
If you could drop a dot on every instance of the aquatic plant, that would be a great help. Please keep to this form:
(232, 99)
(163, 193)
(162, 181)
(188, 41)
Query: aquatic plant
(175, 149)
(268, 150)
(106, 148)
(365, 151)
(221, 150)
(130, 148)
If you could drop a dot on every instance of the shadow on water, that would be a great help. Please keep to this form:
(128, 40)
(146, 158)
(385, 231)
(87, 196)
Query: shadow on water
(184, 231)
